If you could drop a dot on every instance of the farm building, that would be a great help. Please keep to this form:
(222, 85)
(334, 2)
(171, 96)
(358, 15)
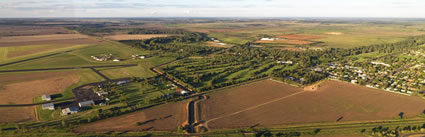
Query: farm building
(48, 106)
(69, 111)
(46, 97)
(182, 92)
(116, 60)
(268, 39)
(86, 103)
(100, 94)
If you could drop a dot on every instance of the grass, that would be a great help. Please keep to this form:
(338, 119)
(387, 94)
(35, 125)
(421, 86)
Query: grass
(63, 60)
(6, 60)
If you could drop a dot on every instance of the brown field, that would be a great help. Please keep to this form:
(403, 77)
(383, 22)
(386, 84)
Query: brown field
(271, 103)
(21, 77)
(10, 30)
(54, 39)
(285, 41)
(16, 115)
(299, 37)
(24, 92)
(134, 37)
(162, 118)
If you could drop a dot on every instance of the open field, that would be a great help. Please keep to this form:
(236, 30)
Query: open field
(134, 36)
(162, 118)
(333, 35)
(56, 39)
(16, 115)
(24, 92)
(21, 77)
(299, 37)
(29, 30)
(333, 101)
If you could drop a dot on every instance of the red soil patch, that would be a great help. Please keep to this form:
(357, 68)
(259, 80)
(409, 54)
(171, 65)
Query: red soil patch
(332, 101)
(24, 92)
(299, 37)
(285, 41)
(162, 118)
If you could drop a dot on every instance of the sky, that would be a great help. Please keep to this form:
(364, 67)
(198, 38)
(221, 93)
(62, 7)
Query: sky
(212, 8)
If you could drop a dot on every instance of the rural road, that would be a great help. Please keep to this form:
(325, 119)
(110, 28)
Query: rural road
(67, 68)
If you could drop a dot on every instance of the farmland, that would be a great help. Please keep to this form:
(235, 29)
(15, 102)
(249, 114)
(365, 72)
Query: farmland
(163, 118)
(333, 101)
(24, 92)
(212, 77)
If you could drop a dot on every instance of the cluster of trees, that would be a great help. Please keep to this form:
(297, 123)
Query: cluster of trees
(388, 132)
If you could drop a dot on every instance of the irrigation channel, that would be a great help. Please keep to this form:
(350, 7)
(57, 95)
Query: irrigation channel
(194, 114)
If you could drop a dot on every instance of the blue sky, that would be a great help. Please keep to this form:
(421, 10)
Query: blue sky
(212, 8)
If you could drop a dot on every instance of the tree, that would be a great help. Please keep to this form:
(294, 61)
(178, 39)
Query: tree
(63, 123)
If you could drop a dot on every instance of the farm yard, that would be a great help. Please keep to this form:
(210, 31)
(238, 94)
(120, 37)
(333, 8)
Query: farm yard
(332, 101)
(166, 117)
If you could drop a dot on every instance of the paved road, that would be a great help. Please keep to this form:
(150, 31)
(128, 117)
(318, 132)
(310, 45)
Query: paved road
(67, 68)
(100, 74)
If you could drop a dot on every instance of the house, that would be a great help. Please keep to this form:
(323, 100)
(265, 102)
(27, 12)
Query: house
(48, 106)
(354, 81)
(46, 97)
(285, 62)
(116, 60)
(86, 103)
(69, 111)
(142, 57)
(182, 92)
(101, 93)
(122, 82)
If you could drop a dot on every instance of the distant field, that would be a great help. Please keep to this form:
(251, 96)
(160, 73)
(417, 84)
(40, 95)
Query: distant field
(53, 39)
(333, 35)
(162, 118)
(134, 37)
(19, 30)
(299, 37)
(333, 101)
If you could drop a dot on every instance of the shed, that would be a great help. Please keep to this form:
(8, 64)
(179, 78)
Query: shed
(86, 103)
(46, 97)
(48, 106)
(69, 111)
